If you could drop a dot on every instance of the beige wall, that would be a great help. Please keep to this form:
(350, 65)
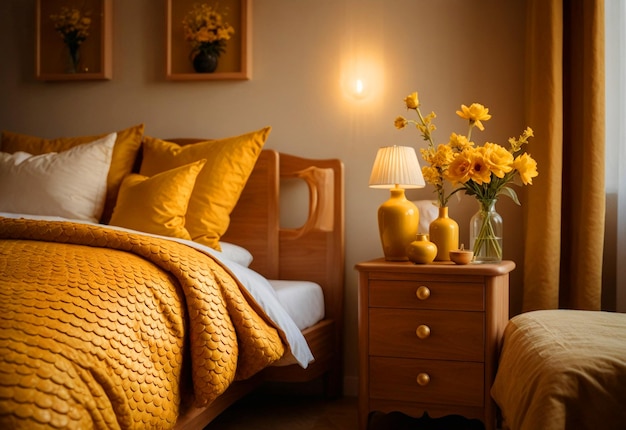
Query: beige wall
(451, 51)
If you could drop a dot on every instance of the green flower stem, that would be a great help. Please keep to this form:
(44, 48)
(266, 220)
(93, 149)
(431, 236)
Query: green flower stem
(428, 136)
(487, 236)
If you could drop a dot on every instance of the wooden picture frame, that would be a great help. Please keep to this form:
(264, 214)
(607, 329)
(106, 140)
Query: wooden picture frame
(233, 64)
(95, 52)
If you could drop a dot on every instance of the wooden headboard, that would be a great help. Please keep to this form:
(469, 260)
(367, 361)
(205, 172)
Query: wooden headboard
(315, 250)
(254, 223)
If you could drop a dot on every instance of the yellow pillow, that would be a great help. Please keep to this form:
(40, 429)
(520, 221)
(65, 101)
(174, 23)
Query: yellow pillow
(157, 204)
(229, 163)
(125, 152)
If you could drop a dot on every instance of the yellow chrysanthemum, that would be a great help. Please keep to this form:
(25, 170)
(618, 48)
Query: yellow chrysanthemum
(411, 101)
(476, 113)
(443, 156)
(479, 170)
(459, 142)
(458, 171)
(526, 166)
(498, 159)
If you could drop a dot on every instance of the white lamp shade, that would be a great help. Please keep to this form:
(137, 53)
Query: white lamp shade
(396, 167)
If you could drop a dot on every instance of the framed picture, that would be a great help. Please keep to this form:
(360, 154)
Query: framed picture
(73, 40)
(188, 32)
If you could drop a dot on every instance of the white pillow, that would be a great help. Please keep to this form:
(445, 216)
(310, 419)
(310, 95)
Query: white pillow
(236, 253)
(428, 212)
(70, 184)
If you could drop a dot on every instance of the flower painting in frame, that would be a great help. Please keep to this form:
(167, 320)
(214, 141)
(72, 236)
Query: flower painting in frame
(73, 40)
(208, 39)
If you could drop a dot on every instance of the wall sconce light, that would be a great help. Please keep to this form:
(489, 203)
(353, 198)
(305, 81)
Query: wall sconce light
(397, 168)
(359, 89)
(361, 78)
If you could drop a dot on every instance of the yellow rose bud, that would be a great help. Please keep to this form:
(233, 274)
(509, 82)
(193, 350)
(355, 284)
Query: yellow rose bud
(412, 101)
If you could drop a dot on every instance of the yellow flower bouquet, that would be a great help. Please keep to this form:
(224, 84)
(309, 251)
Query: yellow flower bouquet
(207, 31)
(73, 27)
(481, 171)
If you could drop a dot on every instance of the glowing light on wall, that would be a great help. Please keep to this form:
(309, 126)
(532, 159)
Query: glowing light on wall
(361, 79)
(359, 87)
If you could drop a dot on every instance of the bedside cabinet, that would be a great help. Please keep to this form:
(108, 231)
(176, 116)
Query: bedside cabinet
(429, 337)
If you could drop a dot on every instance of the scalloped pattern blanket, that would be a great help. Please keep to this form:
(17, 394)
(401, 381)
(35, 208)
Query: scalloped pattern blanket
(97, 325)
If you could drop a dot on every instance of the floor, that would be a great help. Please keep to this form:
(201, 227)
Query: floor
(268, 409)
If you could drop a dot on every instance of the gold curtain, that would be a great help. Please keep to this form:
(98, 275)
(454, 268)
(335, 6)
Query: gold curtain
(565, 206)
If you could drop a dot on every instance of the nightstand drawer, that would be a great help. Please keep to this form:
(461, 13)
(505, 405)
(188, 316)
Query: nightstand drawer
(448, 382)
(446, 335)
(427, 295)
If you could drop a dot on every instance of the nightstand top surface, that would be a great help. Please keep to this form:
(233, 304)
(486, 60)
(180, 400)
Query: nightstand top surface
(444, 267)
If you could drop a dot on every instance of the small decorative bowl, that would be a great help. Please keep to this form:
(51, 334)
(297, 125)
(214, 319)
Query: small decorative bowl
(461, 256)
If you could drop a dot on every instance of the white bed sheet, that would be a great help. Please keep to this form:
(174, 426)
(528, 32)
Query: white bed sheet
(302, 300)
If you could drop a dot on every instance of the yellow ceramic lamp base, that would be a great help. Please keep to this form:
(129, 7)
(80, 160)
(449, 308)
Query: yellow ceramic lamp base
(398, 219)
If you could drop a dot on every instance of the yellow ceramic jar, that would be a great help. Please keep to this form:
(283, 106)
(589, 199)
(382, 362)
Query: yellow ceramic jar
(421, 250)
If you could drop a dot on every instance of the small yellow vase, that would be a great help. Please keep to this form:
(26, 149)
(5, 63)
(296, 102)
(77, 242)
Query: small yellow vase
(444, 232)
(421, 250)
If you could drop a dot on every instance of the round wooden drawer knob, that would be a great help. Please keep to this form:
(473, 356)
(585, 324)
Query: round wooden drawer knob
(423, 379)
(422, 293)
(423, 331)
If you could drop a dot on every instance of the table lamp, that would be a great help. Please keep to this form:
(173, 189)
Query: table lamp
(397, 168)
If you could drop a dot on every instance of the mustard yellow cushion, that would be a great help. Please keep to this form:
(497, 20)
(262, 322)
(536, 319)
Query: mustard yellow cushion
(125, 152)
(229, 163)
(157, 204)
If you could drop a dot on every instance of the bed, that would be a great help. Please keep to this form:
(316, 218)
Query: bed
(563, 369)
(104, 325)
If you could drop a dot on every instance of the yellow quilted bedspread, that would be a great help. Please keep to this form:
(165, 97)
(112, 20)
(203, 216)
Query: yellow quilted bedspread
(98, 326)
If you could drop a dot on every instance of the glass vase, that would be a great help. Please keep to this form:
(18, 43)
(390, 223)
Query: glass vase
(444, 232)
(486, 233)
(73, 58)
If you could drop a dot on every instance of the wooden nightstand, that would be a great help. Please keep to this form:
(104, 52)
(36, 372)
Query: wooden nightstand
(429, 337)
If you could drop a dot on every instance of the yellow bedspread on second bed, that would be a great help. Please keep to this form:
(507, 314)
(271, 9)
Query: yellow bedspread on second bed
(563, 369)
(94, 324)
